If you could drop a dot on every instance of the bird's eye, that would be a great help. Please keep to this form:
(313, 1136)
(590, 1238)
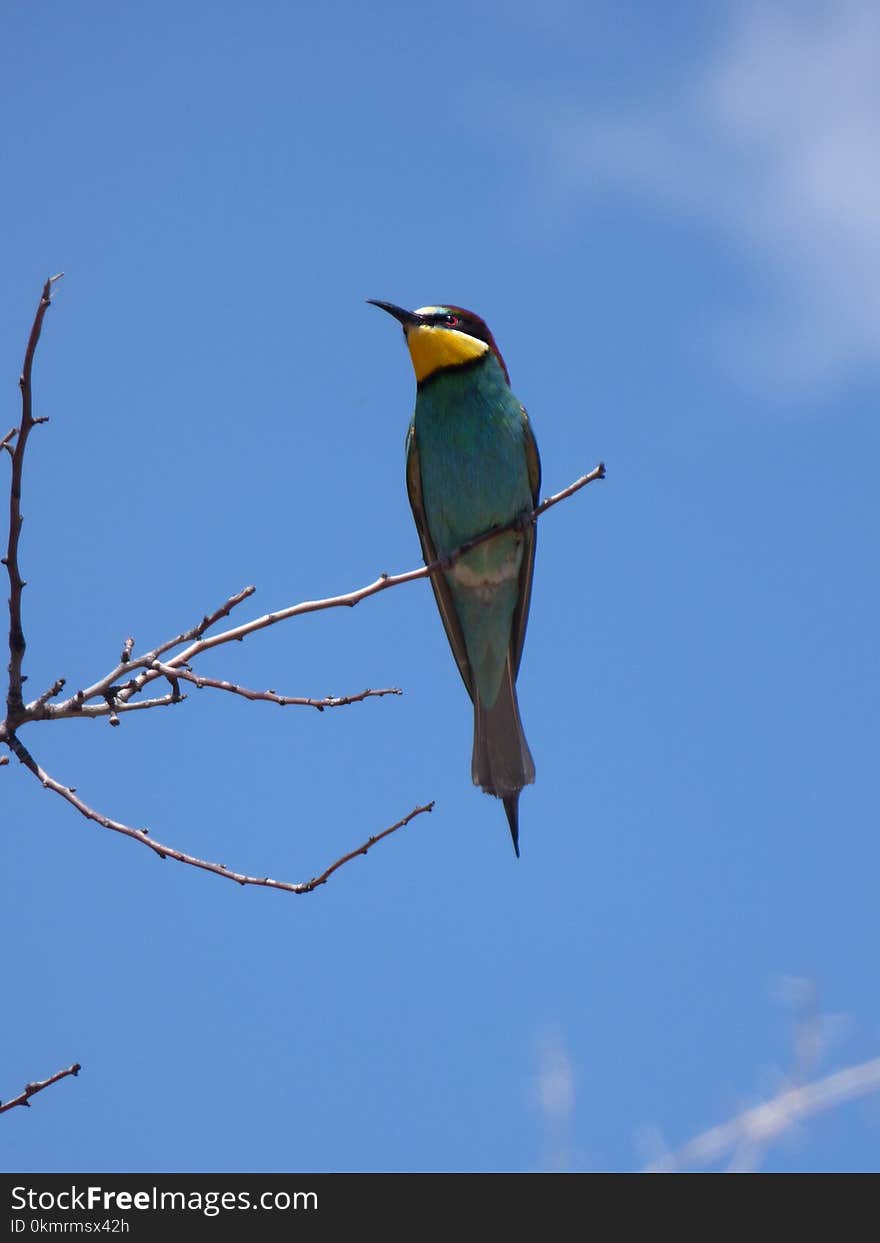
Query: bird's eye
(451, 321)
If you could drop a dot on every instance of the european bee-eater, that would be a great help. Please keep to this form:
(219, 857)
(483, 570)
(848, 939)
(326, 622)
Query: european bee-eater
(472, 464)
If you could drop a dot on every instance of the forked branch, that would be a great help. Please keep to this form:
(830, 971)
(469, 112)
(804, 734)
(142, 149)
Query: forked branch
(69, 794)
(151, 667)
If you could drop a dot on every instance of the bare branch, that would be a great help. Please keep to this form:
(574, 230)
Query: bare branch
(330, 701)
(169, 852)
(71, 706)
(7, 440)
(177, 666)
(31, 1089)
(110, 706)
(598, 472)
(383, 582)
(761, 1125)
(16, 582)
(309, 886)
(351, 598)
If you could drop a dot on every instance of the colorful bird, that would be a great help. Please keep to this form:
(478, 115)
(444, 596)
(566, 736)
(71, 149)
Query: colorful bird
(472, 464)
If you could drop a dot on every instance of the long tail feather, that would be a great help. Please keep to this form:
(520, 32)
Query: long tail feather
(502, 763)
(511, 806)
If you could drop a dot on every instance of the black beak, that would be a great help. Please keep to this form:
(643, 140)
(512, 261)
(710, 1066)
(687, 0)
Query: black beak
(407, 318)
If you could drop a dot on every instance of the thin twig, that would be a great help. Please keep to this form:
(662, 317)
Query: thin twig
(111, 705)
(598, 472)
(16, 582)
(361, 850)
(31, 1089)
(40, 702)
(169, 852)
(70, 707)
(330, 701)
(7, 440)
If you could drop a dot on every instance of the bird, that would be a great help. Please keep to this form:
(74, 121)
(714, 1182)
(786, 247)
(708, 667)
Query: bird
(472, 464)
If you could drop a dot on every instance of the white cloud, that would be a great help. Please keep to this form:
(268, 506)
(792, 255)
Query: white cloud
(775, 139)
(554, 1096)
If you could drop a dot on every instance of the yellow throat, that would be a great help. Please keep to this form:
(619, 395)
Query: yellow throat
(432, 347)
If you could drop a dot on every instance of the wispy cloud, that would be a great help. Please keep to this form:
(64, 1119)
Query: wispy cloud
(554, 1097)
(774, 138)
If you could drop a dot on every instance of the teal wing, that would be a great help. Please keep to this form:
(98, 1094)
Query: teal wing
(442, 594)
(521, 615)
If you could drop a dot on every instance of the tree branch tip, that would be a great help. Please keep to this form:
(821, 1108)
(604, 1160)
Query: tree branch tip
(75, 1068)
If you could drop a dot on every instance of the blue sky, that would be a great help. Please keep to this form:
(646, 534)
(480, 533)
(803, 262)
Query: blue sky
(670, 222)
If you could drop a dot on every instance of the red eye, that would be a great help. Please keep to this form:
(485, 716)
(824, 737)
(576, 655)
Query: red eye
(451, 321)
